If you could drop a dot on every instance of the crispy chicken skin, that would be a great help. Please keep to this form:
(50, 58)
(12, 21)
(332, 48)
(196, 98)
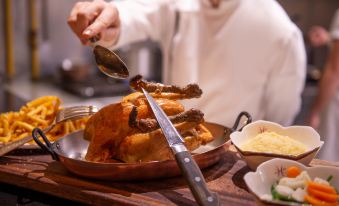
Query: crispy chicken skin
(127, 130)
(155, 148)
(108, 127)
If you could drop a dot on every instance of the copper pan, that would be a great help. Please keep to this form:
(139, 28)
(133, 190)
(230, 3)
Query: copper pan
(71, 149)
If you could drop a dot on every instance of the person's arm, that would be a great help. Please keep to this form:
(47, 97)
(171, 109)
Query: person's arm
(327, 86)
(142, 19)
(286, 81)
(90, 19)
(121, 22)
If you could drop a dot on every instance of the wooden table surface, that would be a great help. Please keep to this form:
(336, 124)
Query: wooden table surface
(41, 173)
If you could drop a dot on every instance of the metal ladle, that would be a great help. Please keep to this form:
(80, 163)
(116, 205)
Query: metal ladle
(108, 62)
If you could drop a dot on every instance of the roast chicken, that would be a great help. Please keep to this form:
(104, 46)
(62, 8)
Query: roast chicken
(128, 131)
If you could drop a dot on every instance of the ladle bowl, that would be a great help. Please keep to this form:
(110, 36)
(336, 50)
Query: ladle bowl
(109, 63)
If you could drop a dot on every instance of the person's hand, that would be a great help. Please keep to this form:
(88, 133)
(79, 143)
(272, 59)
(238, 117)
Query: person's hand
(90, 19)
(313, 120)
(318, 36)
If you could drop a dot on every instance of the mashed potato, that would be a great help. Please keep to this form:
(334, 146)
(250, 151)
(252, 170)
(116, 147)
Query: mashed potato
(271, 142)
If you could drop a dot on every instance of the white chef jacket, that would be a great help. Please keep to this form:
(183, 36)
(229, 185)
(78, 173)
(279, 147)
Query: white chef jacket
(246, 55)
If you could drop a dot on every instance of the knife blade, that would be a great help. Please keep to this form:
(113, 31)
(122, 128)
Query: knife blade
(184, 159)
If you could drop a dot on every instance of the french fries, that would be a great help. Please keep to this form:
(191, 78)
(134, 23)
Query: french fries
(66, 128)
(40, 113)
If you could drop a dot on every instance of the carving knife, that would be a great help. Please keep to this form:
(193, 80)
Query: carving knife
(186, 163)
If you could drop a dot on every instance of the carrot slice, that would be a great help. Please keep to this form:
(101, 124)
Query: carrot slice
(317, 202)
(293, 171)
(327, 197)
(321, 187)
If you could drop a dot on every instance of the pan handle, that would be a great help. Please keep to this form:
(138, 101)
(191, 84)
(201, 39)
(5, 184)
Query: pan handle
(237, 121)
(47, 146)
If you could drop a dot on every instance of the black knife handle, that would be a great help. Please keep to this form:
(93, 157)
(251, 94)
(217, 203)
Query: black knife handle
(196, 181)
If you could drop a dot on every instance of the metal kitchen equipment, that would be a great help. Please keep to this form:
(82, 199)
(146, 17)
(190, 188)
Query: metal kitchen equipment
(71, 150)
(84, 79)
(108, 62)
(68, 113)
(186, 163)
(143, 57)
(80, 78)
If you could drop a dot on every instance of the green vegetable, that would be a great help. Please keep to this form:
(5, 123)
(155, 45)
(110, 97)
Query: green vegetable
(277, 196)
(329, 178)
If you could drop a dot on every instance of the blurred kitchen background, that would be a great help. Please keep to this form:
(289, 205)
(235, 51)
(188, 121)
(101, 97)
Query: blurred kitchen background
(40, 55)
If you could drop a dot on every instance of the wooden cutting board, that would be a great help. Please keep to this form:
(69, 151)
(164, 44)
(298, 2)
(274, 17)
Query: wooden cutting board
(41, 173)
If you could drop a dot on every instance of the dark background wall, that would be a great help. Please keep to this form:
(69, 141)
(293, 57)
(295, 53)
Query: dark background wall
(306, 13)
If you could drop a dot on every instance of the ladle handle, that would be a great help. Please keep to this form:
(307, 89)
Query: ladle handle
(47, 146)
(237, 121)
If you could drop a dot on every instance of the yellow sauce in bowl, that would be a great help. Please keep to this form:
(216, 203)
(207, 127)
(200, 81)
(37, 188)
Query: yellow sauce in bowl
(271, 142)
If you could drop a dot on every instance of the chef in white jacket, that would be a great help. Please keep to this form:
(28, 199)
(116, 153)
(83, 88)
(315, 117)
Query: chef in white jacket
(246, 55)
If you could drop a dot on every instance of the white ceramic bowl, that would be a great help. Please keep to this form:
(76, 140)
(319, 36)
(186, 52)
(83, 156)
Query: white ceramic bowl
(304, 134)
(259, 183)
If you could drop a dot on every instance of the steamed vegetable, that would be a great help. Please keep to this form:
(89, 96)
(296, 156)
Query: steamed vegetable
(299, 187)
(321, 187)
(293, 171)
